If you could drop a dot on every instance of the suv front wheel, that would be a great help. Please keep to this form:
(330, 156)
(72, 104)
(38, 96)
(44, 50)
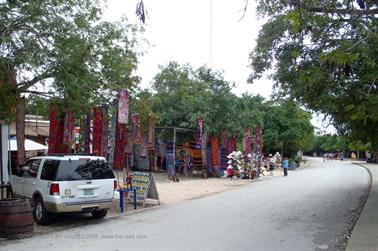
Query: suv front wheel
(40, 214)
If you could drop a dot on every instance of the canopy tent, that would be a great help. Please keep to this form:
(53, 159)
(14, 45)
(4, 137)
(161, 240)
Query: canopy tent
(30, 145)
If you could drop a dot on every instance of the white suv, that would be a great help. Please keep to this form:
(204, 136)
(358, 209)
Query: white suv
(66, 183)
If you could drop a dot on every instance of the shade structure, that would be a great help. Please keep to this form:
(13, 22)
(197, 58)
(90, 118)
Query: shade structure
(30, 145)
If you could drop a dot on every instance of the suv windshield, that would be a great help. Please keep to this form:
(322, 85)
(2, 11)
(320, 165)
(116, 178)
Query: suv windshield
(80, 170)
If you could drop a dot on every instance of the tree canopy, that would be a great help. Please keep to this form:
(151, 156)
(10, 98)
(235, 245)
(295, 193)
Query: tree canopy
(324, 55)
(63, 49)
(181, 94)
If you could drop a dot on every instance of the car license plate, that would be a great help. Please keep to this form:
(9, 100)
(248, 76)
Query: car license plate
(88, 191)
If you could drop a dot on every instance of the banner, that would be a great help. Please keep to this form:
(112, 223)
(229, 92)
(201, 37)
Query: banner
(214, 152)
(200, 127)
(151, 132)
(69, 129)
(136, 128)
(87, 134)
(120, 145)
(56, 131)
(100, 131)
(247, 141)
(123, 107)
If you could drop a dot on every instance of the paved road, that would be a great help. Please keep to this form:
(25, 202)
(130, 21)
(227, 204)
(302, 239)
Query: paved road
(308, 210)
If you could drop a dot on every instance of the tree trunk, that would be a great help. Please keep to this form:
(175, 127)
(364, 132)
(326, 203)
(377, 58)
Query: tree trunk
(20, 130)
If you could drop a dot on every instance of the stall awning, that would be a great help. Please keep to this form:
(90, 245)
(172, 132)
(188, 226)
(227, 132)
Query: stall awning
(30, 145)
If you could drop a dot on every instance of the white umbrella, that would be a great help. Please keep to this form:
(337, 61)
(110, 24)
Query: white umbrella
(30, 145)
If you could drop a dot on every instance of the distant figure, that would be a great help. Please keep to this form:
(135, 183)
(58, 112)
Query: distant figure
(285, 166)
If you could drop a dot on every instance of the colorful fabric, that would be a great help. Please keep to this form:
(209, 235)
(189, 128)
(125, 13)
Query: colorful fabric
(223, 140)
(199, 137)
(224, 159)
(196, 155)
(258, 141)
(100, 132)
(140, 162)
(151, 132)
(136, 128)
(69, 128)
(87, 134)
(123, 107)
(56, 131)
(170, 167)
(232, 145)
(214, 152)
(105, 133)
(247, 141)
(119, 146)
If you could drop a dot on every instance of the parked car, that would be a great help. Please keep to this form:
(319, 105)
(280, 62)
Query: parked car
(66, 183)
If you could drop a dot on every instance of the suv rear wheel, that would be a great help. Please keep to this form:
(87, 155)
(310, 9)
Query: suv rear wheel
(99, 214)
(40, 214)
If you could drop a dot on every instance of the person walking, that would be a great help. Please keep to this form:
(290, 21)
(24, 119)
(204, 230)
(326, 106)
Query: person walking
(285, 166)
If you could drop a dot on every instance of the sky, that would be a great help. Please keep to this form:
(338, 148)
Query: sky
(199, 32)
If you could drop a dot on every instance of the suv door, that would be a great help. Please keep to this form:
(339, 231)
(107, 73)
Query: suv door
(29, 175)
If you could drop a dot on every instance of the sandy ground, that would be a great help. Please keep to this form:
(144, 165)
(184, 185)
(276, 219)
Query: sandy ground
(187, 188)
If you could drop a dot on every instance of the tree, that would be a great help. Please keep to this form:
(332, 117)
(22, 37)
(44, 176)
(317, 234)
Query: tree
(287, 129)
(324, 55)
(64, 46)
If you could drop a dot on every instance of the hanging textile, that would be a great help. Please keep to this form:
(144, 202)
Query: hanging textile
(123, 107)
(223, 140)
(232, 145)
(69, 127)
(105, 133)
(87, 134)
(56, 131)
(120, 145)
(151, 132)
(170, 166)
(196, 155)
(214, 152)
(247, 141)
(113, 131)
(100, 132)
(140, 162)
(258, 141)
(203, 149)
(136, 128)
(199, 137)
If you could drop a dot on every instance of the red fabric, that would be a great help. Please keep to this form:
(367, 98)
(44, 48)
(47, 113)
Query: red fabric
(87, 133)
(97, 130)
(105, 133)
(69, 127)
(56, 131)
(151, 132)
(214, 152)
(224, 141)
(120, 145)
(247, 141)
(136, 128)
(232, 145)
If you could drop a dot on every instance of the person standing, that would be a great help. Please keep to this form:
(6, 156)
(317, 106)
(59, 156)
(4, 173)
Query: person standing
(285, 166)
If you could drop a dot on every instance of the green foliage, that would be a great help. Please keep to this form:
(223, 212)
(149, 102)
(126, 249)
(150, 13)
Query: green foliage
(324, 55)
(287, 128)
(65, 47)
(183, 94)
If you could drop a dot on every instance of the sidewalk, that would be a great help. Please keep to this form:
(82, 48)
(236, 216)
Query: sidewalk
(365, 233)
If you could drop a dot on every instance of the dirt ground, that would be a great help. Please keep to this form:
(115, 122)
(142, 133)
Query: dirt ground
(169, 192)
